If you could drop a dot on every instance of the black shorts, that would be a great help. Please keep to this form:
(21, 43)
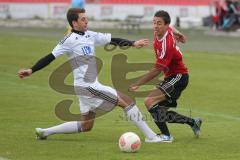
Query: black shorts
(172, 87)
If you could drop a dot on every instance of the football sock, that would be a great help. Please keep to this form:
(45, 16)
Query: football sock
(136, 117)
(68, 127)
(159, 119)
(174, 117)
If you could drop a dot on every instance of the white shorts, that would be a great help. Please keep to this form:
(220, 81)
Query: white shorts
(96, 98)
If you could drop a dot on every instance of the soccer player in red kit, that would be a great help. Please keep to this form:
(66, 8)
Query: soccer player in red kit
(169, 61)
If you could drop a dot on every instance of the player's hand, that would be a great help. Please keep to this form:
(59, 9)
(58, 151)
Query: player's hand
(24, 73)
(180, 37)
(133, 87)
(140, 43)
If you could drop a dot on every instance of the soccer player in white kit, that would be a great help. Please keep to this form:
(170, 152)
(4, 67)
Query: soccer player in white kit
(79, 46)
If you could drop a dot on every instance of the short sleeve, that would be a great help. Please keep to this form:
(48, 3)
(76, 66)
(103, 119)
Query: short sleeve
(102, 38)
(62, 48)
(161, 67)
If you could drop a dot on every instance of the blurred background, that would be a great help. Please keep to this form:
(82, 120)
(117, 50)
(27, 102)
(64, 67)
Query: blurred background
(217, 14)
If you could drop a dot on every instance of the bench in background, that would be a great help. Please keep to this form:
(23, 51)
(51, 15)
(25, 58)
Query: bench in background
(131, 23)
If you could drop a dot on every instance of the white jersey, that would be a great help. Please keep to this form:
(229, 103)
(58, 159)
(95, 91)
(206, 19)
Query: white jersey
(81, 51)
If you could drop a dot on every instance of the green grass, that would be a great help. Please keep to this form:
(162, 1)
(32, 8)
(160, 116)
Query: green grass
(212, 94)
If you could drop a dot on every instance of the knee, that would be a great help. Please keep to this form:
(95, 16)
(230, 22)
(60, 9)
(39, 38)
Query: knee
(87, 127)
(125, 101)
(148, 102)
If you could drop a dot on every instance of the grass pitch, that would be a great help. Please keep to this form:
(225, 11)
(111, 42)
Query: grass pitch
(213, 94)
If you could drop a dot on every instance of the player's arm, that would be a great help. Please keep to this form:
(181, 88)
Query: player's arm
(145, 78)
(124, 42)
(62, 48)
(105, 38)
(161, 65)
(179, 36)
(43, 62)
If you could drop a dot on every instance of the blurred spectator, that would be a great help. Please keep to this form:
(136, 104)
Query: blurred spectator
(220, 12)
(177, 22)
(231, 19)
(78, 3)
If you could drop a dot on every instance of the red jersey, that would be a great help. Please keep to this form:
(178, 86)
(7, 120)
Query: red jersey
(168, 55)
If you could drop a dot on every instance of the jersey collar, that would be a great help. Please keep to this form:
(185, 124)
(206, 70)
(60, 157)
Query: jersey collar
(165, 35)
(78, 32)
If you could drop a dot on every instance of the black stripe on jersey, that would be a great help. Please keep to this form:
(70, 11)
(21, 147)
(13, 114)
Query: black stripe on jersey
(65, 38)
(102, 95)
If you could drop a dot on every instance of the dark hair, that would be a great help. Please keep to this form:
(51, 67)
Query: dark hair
(72, 14)
(163, 14)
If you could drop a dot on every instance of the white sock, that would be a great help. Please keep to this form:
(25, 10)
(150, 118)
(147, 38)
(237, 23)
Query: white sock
(134, 114)
(68, 127)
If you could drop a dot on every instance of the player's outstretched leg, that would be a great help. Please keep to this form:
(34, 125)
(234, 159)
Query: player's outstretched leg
(68, 127)
(194, 123)
(84, 125)
(134, 114)
(159, 113)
